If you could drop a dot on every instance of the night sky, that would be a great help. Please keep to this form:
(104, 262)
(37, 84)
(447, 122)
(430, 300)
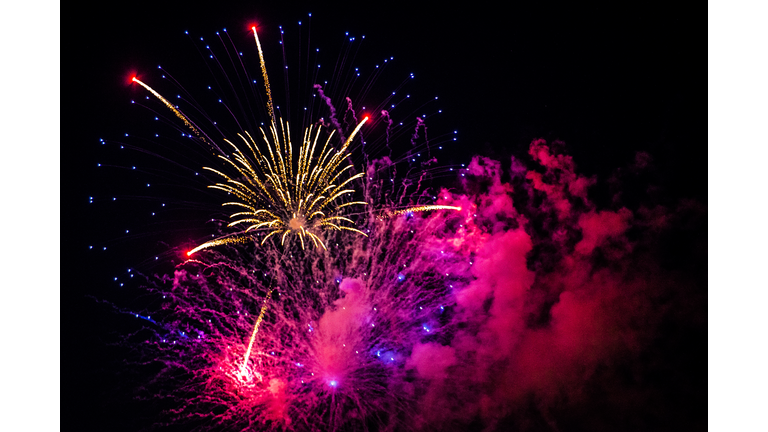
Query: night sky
(621, 86)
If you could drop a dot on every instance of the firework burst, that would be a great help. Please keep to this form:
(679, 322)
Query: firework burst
(333, 347)
(534, 307)
(284, 197)
(328, 350)
(281, 191)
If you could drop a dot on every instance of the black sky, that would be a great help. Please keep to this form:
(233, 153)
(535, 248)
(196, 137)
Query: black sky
(609, 81)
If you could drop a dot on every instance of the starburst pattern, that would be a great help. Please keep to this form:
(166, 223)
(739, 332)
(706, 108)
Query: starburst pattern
(301, 194)
(283, 192)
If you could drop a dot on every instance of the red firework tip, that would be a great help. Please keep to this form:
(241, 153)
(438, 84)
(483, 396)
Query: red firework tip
(189, 253)
(251, 26)
(129, 77)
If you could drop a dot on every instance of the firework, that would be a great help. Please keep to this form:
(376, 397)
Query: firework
(332, 347)
(255, 330)
(415, 209)
(345, 340)
(283, 191)
(179, 114)
(447, 316)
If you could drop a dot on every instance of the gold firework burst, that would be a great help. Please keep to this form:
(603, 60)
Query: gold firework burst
(281, 191)
(300, 194)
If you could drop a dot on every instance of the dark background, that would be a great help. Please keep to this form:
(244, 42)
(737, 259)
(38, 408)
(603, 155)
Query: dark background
(607, 80)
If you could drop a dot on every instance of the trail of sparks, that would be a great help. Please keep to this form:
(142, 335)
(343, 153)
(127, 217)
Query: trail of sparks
(179, 114)
(255, 330)
(270, 110)
(416, 209)
(219, 242)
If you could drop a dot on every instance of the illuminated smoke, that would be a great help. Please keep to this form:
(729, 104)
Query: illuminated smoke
(436, 320)
(525, 307)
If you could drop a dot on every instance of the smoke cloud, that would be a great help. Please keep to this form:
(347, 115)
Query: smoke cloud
(533, 308)
(572, 317)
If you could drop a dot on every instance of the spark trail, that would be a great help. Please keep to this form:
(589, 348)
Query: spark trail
(187, 122)
(255, 330)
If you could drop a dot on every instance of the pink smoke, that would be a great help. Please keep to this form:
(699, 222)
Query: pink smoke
(603, 307)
